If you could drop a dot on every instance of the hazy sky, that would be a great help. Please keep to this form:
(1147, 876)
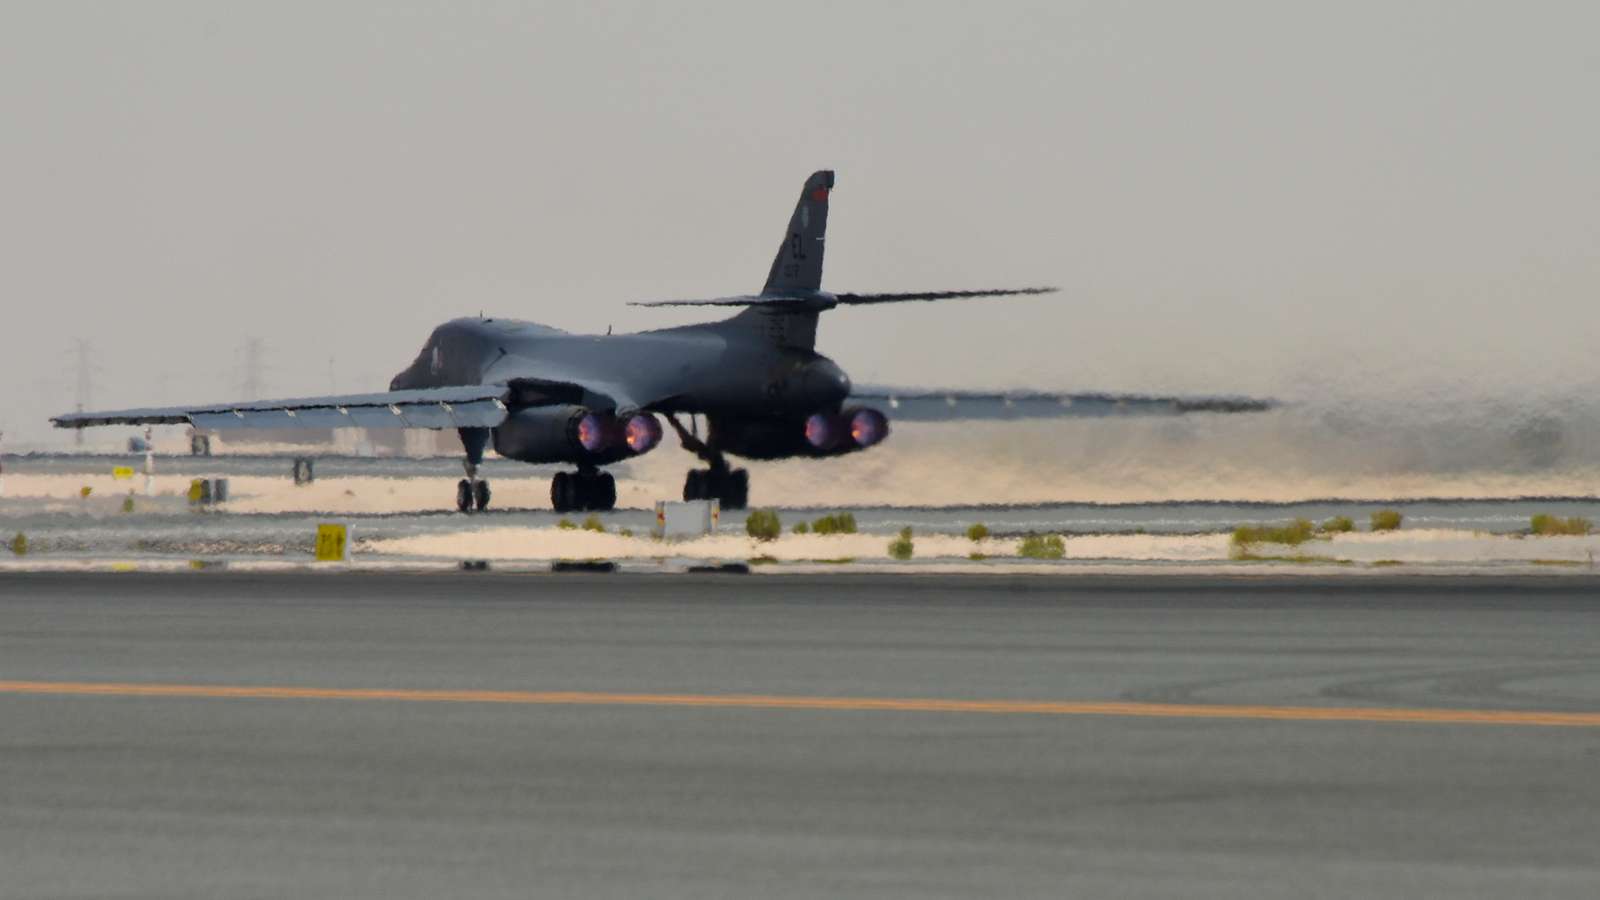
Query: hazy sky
(1272, 197)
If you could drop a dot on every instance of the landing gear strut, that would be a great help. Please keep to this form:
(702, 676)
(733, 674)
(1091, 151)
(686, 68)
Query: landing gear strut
(471, 493)
(730, 487)
(585, 489)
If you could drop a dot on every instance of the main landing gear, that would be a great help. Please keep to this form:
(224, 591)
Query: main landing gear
(730, 487)
(585, 489)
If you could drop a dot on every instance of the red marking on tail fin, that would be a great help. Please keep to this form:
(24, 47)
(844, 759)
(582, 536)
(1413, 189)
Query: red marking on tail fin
(820, 194)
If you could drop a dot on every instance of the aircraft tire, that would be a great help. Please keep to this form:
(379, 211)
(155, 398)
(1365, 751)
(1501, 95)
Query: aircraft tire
(561, 492)
(480, 496)
(464, 496)
(605, 493)
(736, 490)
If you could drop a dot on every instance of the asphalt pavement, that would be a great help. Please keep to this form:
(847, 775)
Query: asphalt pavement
(484, 735)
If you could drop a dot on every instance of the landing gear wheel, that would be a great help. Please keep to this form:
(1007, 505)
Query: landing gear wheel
(480, 496)
(561, 492)
(573, 491)
(730, 489)
(464, 495)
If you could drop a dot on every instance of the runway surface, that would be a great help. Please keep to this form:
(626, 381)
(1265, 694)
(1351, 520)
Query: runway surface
(220, 734)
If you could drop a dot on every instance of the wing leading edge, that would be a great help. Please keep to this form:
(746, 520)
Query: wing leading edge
(467, 406)
(949, 406)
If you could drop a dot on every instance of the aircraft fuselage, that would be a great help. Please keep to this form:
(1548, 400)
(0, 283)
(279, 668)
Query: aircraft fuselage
(720, 370)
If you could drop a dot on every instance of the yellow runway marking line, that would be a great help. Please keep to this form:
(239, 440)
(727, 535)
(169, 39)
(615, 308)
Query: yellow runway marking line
(863, 704)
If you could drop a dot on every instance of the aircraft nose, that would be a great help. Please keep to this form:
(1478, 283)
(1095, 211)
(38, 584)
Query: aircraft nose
(825, 383)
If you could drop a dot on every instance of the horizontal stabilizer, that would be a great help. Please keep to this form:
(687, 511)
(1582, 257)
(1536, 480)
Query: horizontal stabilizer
(467, 406)
(861, 299)
(744, 300)
(819, 300)
(923, 405)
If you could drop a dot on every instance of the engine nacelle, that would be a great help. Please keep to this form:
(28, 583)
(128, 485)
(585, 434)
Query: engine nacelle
(846, 431)
(822, 434)
(566, 433)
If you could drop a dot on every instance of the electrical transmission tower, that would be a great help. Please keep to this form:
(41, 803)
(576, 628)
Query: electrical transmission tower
(85, 389)
(252, 369)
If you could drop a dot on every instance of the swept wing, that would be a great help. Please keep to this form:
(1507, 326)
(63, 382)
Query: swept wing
(468, 406)
(923, 405)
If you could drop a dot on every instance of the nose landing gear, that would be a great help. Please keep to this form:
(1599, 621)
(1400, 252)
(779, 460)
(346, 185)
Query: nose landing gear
(471, 493)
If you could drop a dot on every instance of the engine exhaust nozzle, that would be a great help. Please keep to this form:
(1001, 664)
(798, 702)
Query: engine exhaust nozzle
(642, 432)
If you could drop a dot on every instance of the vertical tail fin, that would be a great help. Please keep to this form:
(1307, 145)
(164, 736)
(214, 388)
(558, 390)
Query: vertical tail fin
(798, 265)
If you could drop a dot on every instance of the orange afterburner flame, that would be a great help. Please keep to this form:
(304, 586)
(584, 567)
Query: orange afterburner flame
(820, 431)
(642, 433)
(868, 427)
(592, 433)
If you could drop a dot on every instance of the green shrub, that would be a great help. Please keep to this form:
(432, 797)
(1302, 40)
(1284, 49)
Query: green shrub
(565, 524)
(835, 523)
(802, 528)
(1294, 534)
(1338, 525)
(127, 503)
(977, 531)
(901, 547)
(594, 524)
(19, 544)
(625, 532)
(1043, 546)
(1551, 525)
(1386, 520)
(763, 524)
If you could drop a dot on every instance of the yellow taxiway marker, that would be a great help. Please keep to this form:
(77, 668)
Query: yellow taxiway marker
(778, 701)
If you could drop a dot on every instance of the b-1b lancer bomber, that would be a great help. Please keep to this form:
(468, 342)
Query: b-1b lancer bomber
(541, 395)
